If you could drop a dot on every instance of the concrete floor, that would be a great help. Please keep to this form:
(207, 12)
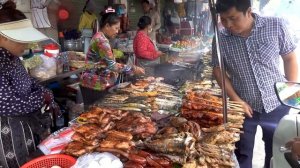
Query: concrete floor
(259, 150)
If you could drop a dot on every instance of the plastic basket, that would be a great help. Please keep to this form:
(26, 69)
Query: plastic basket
(64, 161)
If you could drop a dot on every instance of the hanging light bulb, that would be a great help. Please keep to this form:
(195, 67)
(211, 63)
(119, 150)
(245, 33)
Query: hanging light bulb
(177, 1)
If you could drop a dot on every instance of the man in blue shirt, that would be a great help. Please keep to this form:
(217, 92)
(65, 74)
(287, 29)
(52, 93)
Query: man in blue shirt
(251, 46)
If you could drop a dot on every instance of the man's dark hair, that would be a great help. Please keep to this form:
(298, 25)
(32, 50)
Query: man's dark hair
(145, 1)
(240, 5)
(109, 18)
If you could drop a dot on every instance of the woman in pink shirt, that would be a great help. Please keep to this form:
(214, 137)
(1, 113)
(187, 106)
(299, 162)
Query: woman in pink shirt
(147, 55)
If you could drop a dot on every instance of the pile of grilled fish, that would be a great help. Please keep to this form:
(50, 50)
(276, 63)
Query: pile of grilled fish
(147, 97)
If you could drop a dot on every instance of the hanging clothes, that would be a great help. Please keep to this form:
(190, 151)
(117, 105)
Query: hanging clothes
(87, 20)
(39, 14)
(181, 10)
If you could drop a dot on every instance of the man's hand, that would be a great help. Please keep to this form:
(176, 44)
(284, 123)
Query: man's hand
(294, 146)
(247, 109)
(230, 91)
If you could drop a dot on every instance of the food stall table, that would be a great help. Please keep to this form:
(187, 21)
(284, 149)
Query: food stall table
(60, 76)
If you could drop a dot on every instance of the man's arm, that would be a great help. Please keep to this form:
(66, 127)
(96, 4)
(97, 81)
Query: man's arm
(290, 66)
(230, 90)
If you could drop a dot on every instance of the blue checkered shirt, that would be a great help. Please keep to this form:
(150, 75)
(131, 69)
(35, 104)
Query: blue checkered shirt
(252, 63)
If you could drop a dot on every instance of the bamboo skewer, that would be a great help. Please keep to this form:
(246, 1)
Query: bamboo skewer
(231, 103)
(233, 109)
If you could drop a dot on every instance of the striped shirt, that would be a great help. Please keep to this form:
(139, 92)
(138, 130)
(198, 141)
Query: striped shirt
(252, 63)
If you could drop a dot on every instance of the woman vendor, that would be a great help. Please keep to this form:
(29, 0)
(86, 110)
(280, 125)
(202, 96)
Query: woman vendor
(21, 98)
(100, 54)
(145, 51)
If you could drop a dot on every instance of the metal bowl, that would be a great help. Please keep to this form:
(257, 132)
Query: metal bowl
(73, 45)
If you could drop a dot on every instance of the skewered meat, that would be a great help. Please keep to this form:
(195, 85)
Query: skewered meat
(203, 118)
(193, 128)
(80, 138)
(137, 158)
(177, 121)
(133, 164)
(92, 131)
(75, 149)
(85, 128)
(92, 134)
(214, 156)
(105, 120)
(92, 113)
(148, 127)
(214, 129)
(144, 159)
(119, 135)
(222, 137)
(179, 124)
(204, 95)
(137, 124)
(77, 137)
(117, 140)
(115, 144)
(101, 116)
(180, 144)
(123, 145)
(166, 131)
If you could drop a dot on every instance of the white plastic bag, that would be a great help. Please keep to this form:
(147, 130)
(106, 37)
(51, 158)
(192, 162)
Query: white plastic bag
(46, 70)
(98, 160)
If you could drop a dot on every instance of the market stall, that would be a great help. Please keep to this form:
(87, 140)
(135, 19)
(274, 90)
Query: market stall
(171, 119)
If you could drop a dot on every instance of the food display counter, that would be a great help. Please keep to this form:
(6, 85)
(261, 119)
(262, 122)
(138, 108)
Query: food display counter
(149, 123)
(173, 119)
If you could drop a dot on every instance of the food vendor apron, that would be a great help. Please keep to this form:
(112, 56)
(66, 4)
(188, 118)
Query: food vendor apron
(148, 65)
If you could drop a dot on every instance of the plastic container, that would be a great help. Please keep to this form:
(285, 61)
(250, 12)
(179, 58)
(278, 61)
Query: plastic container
(64, 161)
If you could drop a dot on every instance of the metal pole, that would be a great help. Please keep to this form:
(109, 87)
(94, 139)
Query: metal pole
(221, 59)
(195, 18)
